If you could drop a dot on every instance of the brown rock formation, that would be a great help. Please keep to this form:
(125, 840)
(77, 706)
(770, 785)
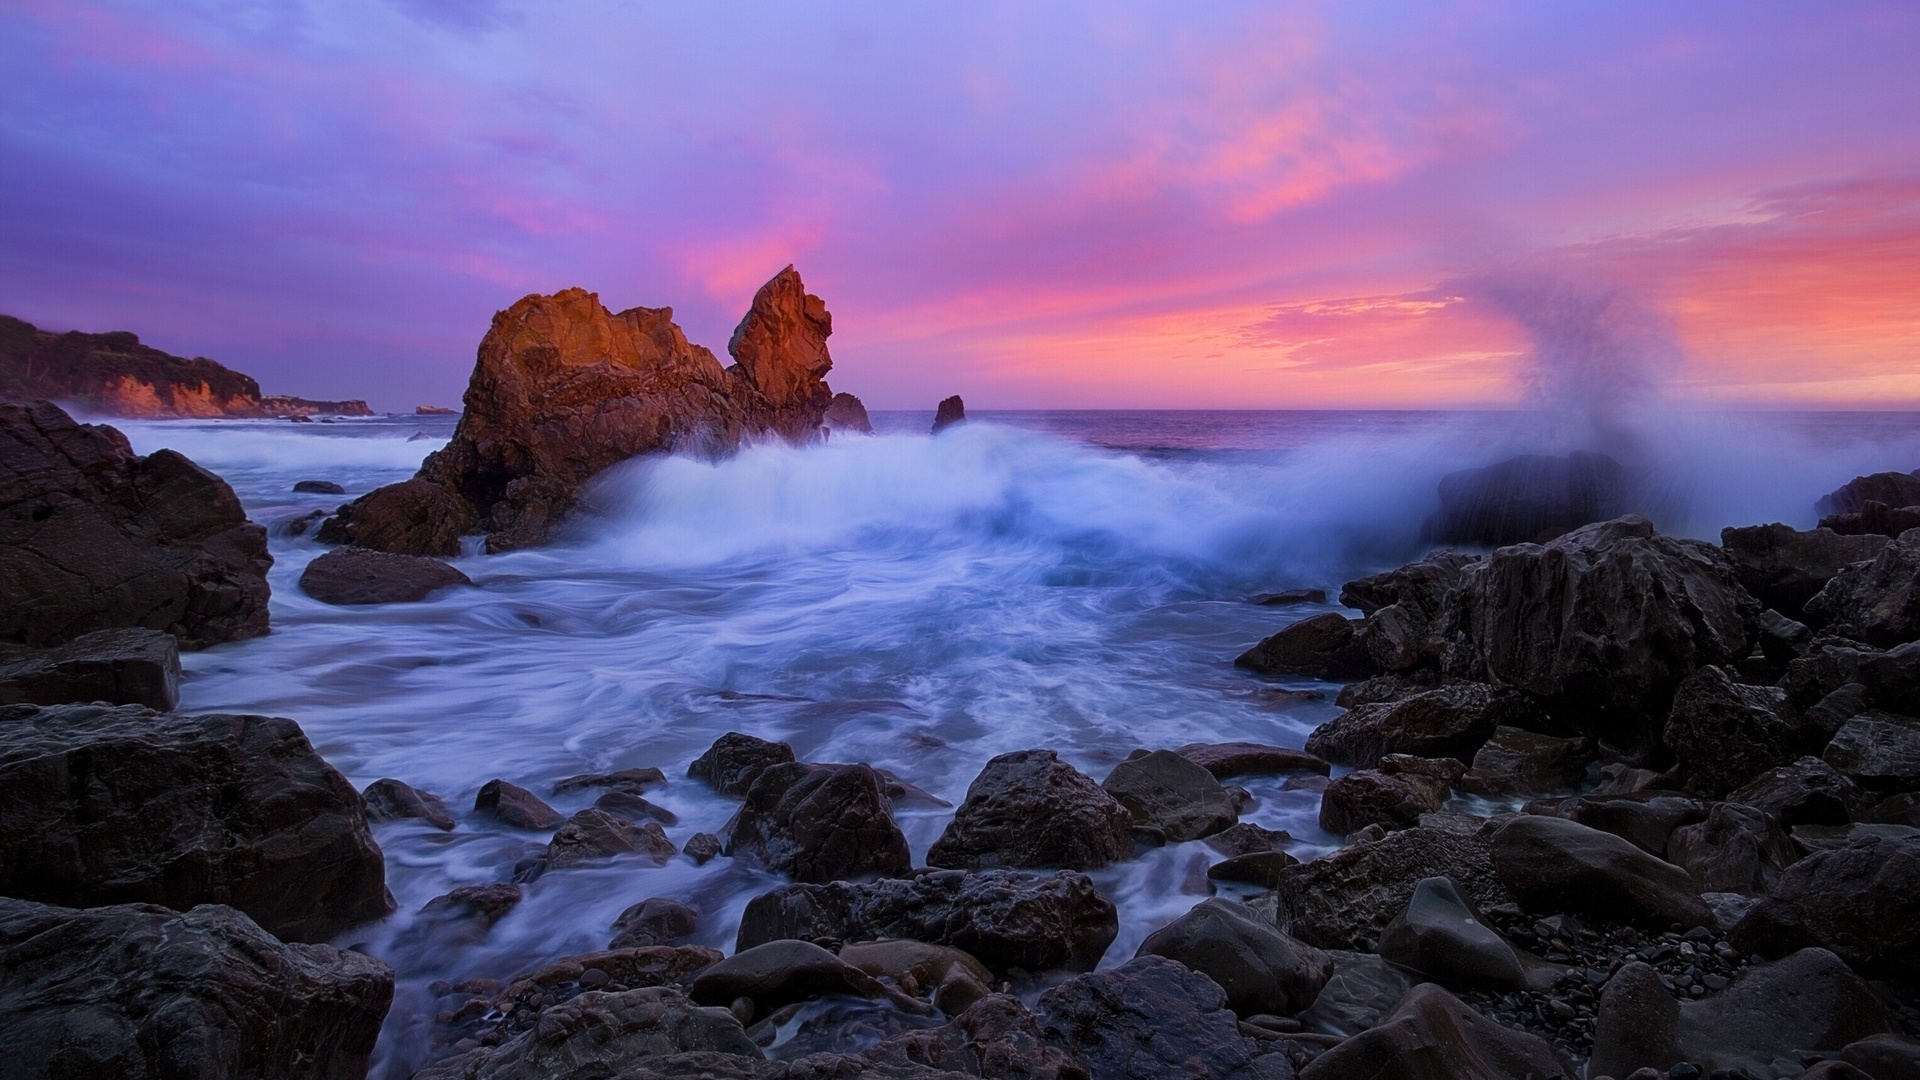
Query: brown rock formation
(113, 373)
(562, 388)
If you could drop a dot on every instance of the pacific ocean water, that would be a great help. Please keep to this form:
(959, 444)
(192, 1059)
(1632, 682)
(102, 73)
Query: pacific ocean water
(1076, 581)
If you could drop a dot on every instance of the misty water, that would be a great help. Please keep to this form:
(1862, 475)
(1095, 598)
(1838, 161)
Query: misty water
(1073, 581)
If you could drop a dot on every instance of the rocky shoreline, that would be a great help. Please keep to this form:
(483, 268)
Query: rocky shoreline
(1613, 803)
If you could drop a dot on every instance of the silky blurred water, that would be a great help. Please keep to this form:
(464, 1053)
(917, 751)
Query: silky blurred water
(1074, 581)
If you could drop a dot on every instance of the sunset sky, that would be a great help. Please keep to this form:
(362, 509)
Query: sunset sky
(1094, 205)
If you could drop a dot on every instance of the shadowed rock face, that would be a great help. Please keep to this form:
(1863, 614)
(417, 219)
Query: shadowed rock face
(93, 537)
(564, 388)
(1527, 498)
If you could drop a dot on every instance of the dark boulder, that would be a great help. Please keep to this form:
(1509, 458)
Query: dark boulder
(1390, 797)
(1401, 606)
(1726, 733)
(1874, 519)
(1247, 838)
(1260, 868)
(633, 781)
(1346, 899)
(1228, 760)
(129, 666)
(137, 990)
(123, 805)
(599, 1034)
(515, 807)
(1737, 849)
(1362, 990)
(1876, 602)
(1636, 1025)
(1030, 809)
(593, 834)
(1324, 646)
(819, 823)
(781, 972)
(1861, 901)
(318, 487)
(1431, 1035)
(1036, 922)
(1260, 969)
(1165, 791)
(656, 921)
(1514, 761)
(1646, 817)
(951, 411)
(1443, 935)
(347, 576)
(1877, 750)
(388, 799)
(1891, 488)
(1152, 1018)
(1884, 1057)
(1530, 498)
(995, 1036)
(1784, 568)
(1807, 791)
(1553, 865)
(94, 538)
(1601, 625)
(847, 413)
(413, 517)
(1452, 720)
(735, 760)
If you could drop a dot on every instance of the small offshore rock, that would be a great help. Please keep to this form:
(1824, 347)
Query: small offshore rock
(952, 411)
(393, 800)
(515, 807)
(319, 487)
(349, 576)
(1228, 760)
(656, 921)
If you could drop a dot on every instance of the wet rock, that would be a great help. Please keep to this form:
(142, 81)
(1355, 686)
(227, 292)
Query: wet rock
(1401, 607)
(1725, 734)
(781, 972)
(1877, 602)
(1166, 791)
(388, 799)
(465, 915)
(1897, 810)
(1247, 838)
(319, 487)
(1362, 989)
(515, 807)
(1782, 640)
(702, 847)
(1530, 498)
(1646, 818)
(819, 823)
(1391, 799)
(1324, 646)
(847, 413)
(562, 389)
(1516, 761)
(1346, 899)
(1453, 720)
(1862, 902)
(1620, 778)
(1443, 935)
(94, 538)
(349, 576)
(1151, 1018)
(1036, 922)
(994, 1037)
(1430, 1035)
(521, 1004)
(1637, 1025)
(1877, 750)
(1228, 760)
(633, 781)
(625, 804)
(1808, 1001)
(1806, 792)
(1289, 597)
(1601, 624)
(130, 666)
(735, 760)
(656, 921)
(1891, 488)
(1736, 849)
(593, 834)
(952, 411)
(1030, 809)
(140, 991)
(1554, 865)
(1260, 868)
(106, 805)
(1260, 969)
(598, 1034)
(1784, 568)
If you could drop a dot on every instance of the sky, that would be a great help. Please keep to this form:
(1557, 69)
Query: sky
(1060, 205)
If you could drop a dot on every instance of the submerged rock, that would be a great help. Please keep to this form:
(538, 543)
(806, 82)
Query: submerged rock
(1228, 760)
(121, 805)
(349, 576)
(1030, 809)
(120, 667)
(138, 990)
(93, 537)
(1530, 498)
(562, 389)
(1036, 922)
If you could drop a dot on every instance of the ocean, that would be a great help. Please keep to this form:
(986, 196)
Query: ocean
(1077, 581)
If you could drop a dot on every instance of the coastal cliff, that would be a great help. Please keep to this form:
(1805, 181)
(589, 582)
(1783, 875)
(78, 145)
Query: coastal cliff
(115, 374)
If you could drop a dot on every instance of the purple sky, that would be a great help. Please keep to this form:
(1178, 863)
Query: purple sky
(1258, 205)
